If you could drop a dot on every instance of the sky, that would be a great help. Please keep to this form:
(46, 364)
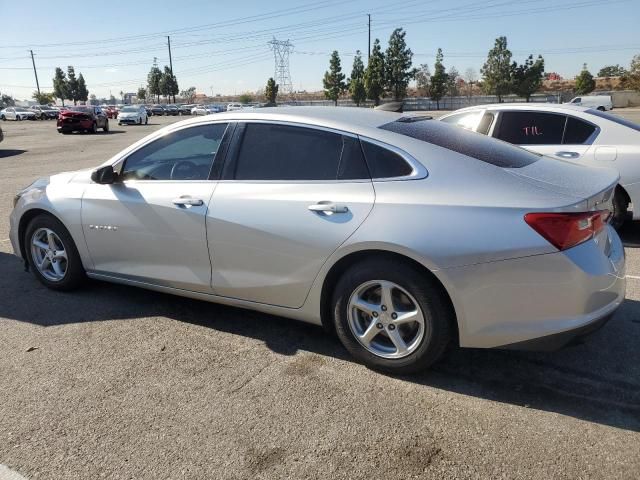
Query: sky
(222, 47)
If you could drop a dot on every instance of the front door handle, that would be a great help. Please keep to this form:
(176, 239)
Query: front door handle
(187, 201)
(328, 207)
(567, 154)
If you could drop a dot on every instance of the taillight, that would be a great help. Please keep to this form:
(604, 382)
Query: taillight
(566, 230)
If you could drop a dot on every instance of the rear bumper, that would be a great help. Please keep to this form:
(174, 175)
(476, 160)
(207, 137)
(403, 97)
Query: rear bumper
(541, 301)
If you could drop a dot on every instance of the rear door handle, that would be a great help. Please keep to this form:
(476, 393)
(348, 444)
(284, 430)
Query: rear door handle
(328, 207)
(567, 154)
(187, 201)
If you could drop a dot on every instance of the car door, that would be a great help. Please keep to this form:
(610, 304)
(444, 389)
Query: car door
(290, 195)
(101, 118)
(553, 134)
(150, 224)
(10, 114)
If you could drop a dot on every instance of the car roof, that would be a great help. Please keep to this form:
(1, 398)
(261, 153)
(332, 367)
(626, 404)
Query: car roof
(548, 107)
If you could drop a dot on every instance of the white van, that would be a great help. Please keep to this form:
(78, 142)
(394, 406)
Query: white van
(599, 102)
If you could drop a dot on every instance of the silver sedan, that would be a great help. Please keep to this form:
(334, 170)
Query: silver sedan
(403, 235)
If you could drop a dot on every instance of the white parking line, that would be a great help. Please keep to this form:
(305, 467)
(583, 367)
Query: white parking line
(5, 240)
(633, 277)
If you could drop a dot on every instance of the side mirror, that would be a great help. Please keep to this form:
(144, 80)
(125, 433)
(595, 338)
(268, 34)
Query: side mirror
(104, 175)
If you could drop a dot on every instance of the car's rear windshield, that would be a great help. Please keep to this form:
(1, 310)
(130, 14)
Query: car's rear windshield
(79, 109)
(615, 119)
(475, 145)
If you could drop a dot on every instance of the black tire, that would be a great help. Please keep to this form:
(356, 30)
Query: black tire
(3, 118)
(620, 213)
(106, 126)
(94, 128)
(75, 274)
(602, 109)
(146, 120)
(18, 118)
(437, 312)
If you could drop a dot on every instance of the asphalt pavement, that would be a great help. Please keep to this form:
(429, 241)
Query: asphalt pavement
(117, 382)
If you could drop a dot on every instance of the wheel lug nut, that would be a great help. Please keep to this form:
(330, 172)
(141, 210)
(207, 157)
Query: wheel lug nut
(392, 327)
(394, 315)
(383, 308)
(379, 325)
(375, 314)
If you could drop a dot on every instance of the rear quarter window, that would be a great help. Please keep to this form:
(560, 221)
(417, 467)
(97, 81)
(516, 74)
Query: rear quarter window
(471, 144)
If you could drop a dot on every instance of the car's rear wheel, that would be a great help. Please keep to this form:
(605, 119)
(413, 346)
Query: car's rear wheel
(602, 109)
(620, 209)
(146, 120)
(139, 121)
(2, 117)
(392, 317)
(19, 118)
(94, 128)
(106, 126)
(52, 254)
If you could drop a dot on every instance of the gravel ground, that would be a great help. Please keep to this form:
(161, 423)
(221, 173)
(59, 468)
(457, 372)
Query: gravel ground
(117, 382)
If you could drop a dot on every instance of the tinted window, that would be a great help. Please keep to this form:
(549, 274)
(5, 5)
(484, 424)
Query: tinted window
(183, 155)
(383, 163)
(281, 152)
(577, 132)
(531, 128)
(615, 119)
(465, 142)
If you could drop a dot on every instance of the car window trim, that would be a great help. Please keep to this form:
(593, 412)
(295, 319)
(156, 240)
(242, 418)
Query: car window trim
(228, 171)
(119, 164)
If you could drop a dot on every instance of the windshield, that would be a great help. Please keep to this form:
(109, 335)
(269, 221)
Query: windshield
(615, 119)
(20, 109)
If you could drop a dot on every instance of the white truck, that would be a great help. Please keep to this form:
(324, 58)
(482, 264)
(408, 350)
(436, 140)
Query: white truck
(599, 102)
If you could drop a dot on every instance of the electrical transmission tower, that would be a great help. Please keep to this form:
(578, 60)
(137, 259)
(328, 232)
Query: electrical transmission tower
(282, 76)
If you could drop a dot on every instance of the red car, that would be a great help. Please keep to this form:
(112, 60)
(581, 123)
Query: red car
(82, 119)
(111, 111)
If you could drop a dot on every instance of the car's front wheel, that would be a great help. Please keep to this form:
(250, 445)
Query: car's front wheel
(52, 254)
(391, 316)
(106, 126)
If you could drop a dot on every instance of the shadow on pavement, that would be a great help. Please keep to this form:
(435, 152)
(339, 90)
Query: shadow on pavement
(10, 153)
(596, 381)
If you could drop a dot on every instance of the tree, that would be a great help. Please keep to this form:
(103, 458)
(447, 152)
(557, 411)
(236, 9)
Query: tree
(153, 82)
(356, 83)
(142, 94)
(439, 80)
(528, 77)
(333, 80)
(612, 71)
(93, 100)
(43, 98)
(60, 85)
(631, 79)
(374, 74)
(453, 77)
(397, 65)
(245, 98)
(423, 80)
(6, 101)
(585, 82)
(72, 84)
(470, 77)
(271, 91)
(112, 100)
(496, 72)
(188, 94)
(168, 83)
(83, 93)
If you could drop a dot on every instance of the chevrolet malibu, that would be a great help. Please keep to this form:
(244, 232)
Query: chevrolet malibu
(402, 234)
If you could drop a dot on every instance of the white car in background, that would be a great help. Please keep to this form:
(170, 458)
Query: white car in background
(204, 110)
(133, 114)
(586, 136)
(599, 102)
(235, 106)
(17, 113)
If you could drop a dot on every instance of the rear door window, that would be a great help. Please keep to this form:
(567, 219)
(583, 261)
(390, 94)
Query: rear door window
(531, 128)
(577, 132)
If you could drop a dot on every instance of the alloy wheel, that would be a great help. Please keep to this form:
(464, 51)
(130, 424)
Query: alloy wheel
(49, 254)
(386, 319)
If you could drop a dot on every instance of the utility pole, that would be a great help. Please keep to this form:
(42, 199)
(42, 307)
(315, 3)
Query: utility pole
(34, 71)
(170, 64)
(369, 49)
